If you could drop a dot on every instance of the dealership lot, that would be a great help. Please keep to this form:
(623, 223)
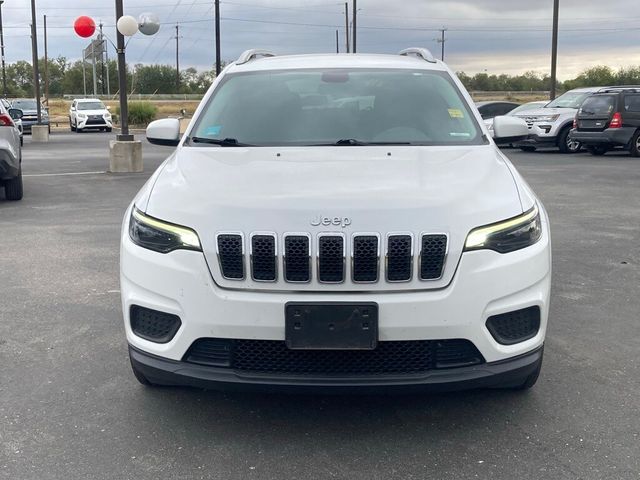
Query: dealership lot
(70, 407)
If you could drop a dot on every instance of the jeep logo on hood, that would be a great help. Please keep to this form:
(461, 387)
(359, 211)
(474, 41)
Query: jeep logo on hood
(327, 221)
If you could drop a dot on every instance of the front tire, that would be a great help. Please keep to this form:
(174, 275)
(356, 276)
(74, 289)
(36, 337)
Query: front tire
(565, 144)
(79, 130)
(634, 149)
(597, 150)
(73, 129)
(13, 188)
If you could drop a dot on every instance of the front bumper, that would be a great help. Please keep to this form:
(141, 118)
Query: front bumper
(27, 124)
(486, 283)
(83, 123)
(541, 135)
(162, 371)
(611, 136)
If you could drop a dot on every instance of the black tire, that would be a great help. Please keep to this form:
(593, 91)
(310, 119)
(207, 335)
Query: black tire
(79, 130)
(49, 129)
(634, 148)
(108, 130)
(21, 141)
(528, 149)
(597, 150)
(73, 129)
(139, 375)
(13, 188)
(565, 144)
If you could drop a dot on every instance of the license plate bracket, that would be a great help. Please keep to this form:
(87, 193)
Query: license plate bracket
(331, 326)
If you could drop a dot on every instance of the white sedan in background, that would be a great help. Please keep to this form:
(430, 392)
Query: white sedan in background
(88, 113)
(522, 108)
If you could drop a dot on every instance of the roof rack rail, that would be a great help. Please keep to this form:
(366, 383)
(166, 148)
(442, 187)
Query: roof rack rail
(420, 52)
(620, 89)
(249, 55)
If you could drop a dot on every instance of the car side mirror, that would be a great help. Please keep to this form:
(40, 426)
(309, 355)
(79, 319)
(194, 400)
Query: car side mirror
(15, 113)
(73, 109)
(507, 129)
(164, 132)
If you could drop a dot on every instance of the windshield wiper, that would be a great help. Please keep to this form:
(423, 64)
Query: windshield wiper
(358, 143)
(224, 142)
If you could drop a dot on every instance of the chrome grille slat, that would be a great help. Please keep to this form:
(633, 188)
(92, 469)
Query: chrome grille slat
(264, 257)
(331, 258)
(297, 258)
(399, 257)
(230, 249)
(433, 250)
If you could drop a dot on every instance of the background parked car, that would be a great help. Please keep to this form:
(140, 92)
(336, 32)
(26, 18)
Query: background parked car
(10, 154)
(30, 113)
(519, 109)
(16, 121)
(495, 109)
(609, 119)
(89, 113)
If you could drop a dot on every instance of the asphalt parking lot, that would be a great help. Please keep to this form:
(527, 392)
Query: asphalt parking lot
(70, 407)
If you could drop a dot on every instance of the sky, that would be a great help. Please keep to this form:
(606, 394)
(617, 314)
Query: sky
(496, 36)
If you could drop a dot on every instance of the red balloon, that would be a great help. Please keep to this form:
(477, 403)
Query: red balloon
(84, 26)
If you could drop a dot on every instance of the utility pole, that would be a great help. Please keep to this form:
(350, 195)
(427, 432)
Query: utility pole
(34, 52)
(442, 41)
(554, 49)
(4, 73)
(218, 61)
(346, 23)
(106, 58)
(337, 44)
(177, 58)
(102, 52)
(355, 25)
(46, 64)
(122, 80)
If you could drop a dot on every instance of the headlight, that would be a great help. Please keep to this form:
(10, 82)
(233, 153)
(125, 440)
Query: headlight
(82, 115)
(163, 237)
(546, 118)
(107, 115)
(507, 236)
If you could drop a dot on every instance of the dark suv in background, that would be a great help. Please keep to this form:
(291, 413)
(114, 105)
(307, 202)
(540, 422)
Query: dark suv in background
(609, 119)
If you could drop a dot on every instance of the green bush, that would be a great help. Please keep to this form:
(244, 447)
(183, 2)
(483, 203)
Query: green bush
(140, 113)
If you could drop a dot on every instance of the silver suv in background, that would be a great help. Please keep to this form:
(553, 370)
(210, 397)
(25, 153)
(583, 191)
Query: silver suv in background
(550, 125)
(10, 153)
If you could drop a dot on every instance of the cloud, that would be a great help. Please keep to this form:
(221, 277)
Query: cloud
(501, 36)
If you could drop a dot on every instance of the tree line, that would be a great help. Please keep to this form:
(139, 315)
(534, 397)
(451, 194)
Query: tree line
(67, 78)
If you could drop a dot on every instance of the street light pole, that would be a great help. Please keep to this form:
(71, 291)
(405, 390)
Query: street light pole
(218, 60)
(34, 51)
(355, 25)
(122, 80)
(554, 49)
(4, 73)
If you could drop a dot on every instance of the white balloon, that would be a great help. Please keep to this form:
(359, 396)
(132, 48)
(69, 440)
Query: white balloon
(148, 23)
(127, 25)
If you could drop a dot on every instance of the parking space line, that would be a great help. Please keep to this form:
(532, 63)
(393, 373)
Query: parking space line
(61, 174)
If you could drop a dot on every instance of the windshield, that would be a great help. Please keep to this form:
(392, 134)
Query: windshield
(525, 107)
(91, 106)
(25, 104)
(569, 100)
(344, 106)
(598, 105)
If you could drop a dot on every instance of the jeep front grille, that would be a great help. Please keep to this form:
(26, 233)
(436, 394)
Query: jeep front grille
(370, 256)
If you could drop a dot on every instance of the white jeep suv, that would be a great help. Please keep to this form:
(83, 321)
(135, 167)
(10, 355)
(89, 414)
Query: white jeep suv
(336, 222)
(86, 113)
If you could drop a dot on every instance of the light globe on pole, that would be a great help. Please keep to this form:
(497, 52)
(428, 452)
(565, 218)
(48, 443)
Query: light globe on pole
(148, 23)
(84, 26)
(127, 25)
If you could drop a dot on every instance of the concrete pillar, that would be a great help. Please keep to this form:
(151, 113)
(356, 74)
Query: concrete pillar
(125, 156)
(40, 133)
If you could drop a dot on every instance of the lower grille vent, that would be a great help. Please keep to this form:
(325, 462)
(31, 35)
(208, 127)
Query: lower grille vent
(388, 358)
(514, 327)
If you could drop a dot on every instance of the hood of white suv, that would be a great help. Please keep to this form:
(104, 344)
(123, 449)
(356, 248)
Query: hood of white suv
(417, 190)
(544, 112)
